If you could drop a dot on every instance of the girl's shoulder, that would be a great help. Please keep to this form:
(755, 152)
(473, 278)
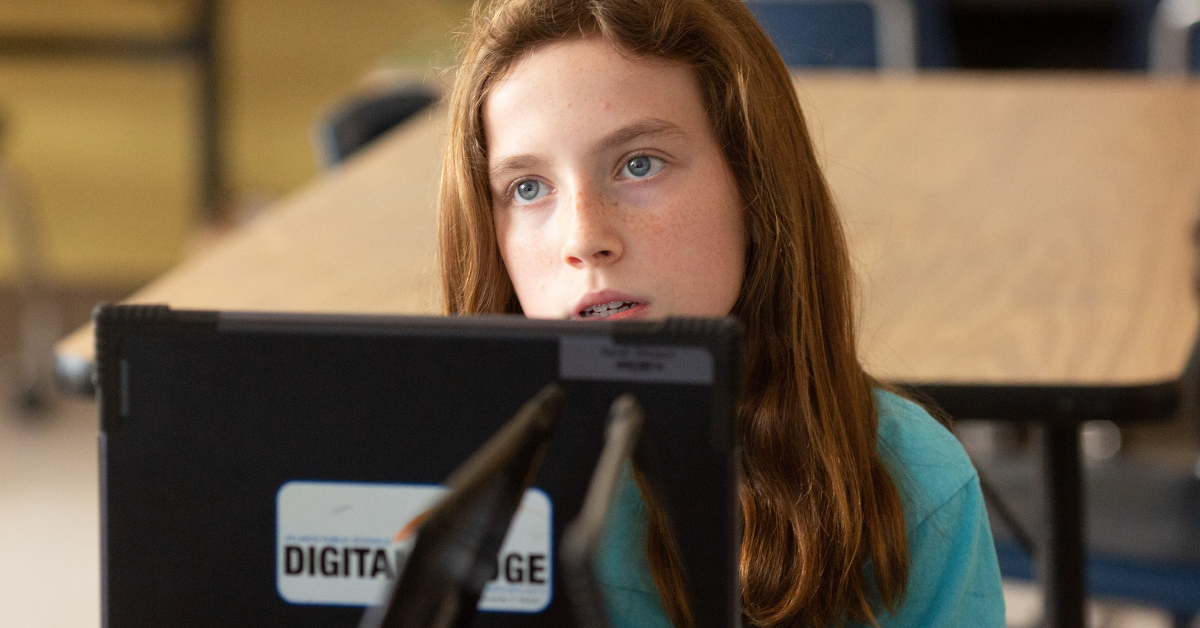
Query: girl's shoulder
(927, 462)
(954, 579)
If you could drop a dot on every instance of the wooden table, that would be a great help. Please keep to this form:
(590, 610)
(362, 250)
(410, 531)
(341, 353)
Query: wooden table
(1022, 244)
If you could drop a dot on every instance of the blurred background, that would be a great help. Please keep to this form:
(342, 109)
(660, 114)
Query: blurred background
(135, 132)
(108, 141)
(139, 127)
(103, 131)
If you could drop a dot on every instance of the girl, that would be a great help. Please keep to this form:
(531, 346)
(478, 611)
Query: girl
(647, 158)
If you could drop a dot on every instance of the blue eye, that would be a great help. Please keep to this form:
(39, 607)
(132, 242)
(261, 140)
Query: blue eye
(642, 166)
(529, 191)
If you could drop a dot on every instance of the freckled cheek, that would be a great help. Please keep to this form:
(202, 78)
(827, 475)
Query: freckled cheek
(661, 234)
(699, 250)
(527, 252)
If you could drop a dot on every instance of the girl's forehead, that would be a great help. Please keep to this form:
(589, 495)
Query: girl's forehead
(587, 81)
(553, 66)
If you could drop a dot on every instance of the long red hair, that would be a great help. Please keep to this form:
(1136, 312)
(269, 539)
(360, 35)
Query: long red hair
(817, 500)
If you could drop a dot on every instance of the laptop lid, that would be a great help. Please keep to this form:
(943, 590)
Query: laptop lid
(260, 469)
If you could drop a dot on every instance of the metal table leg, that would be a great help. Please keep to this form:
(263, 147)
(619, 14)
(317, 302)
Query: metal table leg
(1062, 563)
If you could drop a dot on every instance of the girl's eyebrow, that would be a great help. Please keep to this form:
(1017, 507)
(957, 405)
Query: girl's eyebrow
(639, 129)
(623, 135)
(513, 163)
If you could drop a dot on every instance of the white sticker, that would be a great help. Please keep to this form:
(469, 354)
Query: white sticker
(601, 359)
(342, 543)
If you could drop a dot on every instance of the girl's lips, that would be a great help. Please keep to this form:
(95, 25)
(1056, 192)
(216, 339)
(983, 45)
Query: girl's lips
(604, 297)
(637, 311)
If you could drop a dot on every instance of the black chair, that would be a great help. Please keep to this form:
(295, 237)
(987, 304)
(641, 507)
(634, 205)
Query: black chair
(361, 120)
(1143, 530)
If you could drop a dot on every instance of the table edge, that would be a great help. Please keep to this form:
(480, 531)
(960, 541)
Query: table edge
(1051, 403)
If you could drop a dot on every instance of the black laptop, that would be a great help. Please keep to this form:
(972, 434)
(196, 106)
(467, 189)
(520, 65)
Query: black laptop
(266, 469)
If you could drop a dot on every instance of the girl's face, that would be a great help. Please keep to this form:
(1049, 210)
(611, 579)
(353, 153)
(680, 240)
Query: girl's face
(610, 194)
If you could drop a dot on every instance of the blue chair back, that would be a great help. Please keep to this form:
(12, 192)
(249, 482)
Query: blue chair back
(820, 34)
(1194, 50)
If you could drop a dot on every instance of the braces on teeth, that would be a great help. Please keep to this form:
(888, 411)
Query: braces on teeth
(604, 310)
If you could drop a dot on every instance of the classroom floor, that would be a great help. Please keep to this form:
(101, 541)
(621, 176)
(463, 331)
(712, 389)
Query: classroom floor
(49, 512)
(49, 552)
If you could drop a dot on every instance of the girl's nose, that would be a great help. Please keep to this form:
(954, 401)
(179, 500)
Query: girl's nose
(591, 238)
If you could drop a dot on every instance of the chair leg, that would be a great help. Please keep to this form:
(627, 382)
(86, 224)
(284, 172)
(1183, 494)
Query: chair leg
(992, 496)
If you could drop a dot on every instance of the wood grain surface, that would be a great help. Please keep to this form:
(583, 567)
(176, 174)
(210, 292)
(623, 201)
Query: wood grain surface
(1027, 229)
(1006, 228)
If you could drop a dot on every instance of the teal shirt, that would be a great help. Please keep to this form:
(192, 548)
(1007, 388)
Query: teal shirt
(953, 581)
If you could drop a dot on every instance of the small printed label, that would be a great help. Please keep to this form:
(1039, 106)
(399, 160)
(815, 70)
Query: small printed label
(599, 358)
(343, 543)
